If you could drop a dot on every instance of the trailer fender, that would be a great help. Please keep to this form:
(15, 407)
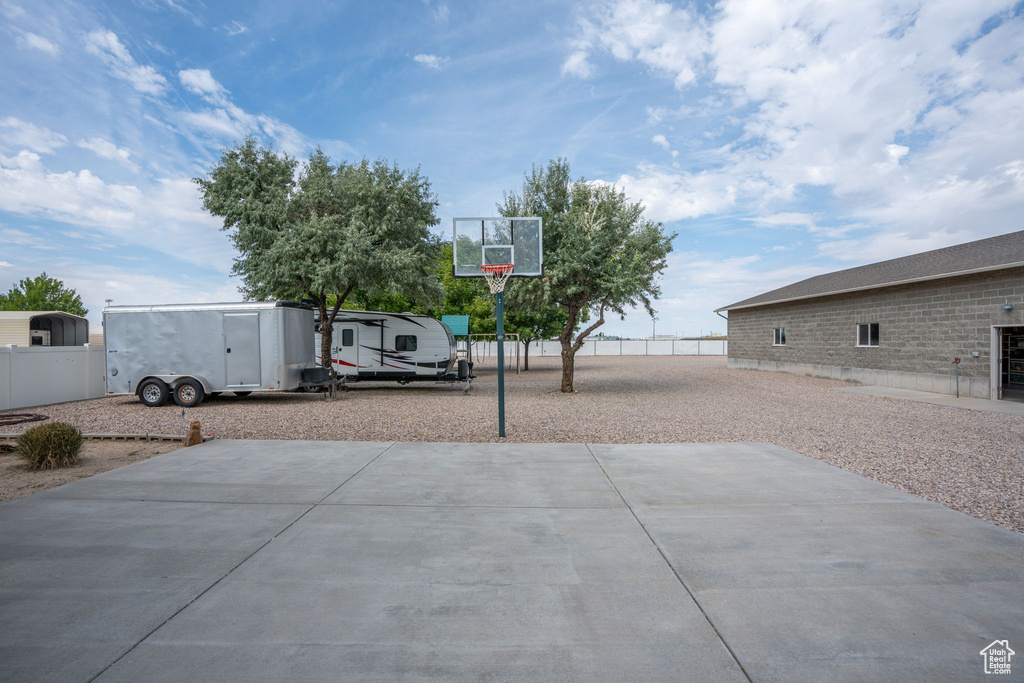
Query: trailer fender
(173, 381)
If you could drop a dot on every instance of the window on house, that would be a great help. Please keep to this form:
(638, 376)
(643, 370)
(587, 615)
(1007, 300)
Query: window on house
(346, 337)
(867, 334)
(405, 342)
(780, 336)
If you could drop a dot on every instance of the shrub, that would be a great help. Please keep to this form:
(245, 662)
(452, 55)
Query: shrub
(50, 446)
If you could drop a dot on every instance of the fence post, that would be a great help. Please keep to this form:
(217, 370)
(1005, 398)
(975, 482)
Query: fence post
(88, 371)
(6, 402)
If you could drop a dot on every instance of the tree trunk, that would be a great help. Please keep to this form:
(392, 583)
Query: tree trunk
(568, 367)
(570, 346)
(326, 337)
(526, 355)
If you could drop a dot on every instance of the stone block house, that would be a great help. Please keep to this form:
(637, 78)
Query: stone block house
(899, 323)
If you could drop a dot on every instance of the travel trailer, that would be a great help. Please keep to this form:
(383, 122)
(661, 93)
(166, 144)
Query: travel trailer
(401, 347)
(190, 351)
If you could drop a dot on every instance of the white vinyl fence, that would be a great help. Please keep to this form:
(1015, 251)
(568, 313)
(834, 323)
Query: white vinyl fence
(40, 375)
(618, 347)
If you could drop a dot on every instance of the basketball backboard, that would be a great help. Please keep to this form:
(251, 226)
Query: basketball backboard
(484, 241)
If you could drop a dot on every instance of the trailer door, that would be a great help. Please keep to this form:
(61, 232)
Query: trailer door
(242, 349)
(345, 349)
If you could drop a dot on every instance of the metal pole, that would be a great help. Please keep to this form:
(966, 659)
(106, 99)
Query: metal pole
(499, 306)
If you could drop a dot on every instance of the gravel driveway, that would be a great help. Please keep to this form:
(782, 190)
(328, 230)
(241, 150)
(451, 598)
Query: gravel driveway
(967, 460)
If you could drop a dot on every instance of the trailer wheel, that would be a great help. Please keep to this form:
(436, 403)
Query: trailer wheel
(189, 393)
(153, 393)
(241, 394)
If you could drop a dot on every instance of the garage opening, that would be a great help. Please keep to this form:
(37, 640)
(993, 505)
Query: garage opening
(1011, 368)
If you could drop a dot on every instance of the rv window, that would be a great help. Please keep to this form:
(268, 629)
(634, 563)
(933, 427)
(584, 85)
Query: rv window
(405, 342)
(346, 337)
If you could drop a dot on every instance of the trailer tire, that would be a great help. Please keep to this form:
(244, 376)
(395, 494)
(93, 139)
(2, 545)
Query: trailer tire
(241, 394)
(154, 393)
(189, 393)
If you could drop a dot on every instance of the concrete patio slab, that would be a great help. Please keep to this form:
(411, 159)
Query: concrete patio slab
(467, 474)
(556, 589)
(890, 587)
(735, 474)
(233, 472)
(334, 561)
(83, 581)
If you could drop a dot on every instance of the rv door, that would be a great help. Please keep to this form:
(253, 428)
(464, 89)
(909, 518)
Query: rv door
(345, 349)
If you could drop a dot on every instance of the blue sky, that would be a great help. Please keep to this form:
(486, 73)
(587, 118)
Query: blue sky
(780, 140)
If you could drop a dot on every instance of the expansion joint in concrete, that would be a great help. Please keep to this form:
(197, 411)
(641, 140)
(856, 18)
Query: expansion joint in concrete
(668, 562)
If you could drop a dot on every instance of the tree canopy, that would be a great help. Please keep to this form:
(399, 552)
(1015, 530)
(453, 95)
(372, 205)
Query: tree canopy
(460, 296)
(42, 293)
(326, 231)
(600, 254)
(533, 324)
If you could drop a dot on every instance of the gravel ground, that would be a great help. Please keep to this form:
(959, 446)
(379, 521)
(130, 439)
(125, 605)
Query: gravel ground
(967, 460)
(17, 481)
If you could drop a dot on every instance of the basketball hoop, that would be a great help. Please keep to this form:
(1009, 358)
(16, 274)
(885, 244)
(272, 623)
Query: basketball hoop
(497, 275)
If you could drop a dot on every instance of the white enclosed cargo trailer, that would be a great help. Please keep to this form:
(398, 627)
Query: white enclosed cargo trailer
(188, 351)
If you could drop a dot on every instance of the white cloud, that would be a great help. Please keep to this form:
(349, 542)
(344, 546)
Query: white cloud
(695, 283)
(908, 113)
(440, 12)
(165, 215)
(107, 150)
(671, 196)
(115, 55)
(201, 82)
(24, 135)
(661, 141)
(670, 40)
(5, 264)
(217, 122)
(885, 246)
(33, 41)
(229, 122)
(234, 28)
(431, 61)
(12, 11)
(577, 65)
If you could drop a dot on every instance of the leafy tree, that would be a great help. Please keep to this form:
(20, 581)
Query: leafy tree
(324, 234)
(600, 254)
(42, 293)
(533, 325)
(463, 296)
(460, 296)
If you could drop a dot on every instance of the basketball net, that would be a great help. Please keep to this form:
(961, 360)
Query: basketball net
(497, 275)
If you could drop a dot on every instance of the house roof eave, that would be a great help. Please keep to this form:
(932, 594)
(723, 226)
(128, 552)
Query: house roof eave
(972, 271)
